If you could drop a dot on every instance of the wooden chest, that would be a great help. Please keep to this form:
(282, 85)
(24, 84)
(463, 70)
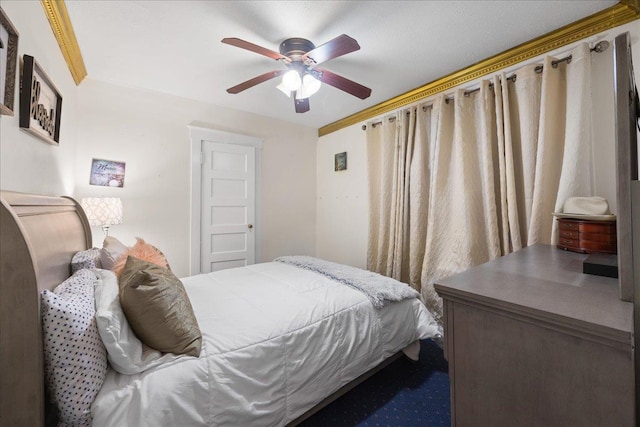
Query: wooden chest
(587, 236)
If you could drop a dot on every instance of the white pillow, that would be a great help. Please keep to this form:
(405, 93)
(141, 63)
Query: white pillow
(111, 250)
(126, 353)
(75, 358)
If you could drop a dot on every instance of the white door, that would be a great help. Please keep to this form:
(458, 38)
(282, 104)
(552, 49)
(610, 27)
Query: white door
(228, 206)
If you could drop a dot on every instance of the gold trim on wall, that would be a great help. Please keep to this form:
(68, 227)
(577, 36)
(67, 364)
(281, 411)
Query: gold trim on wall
(619, 14)
(58, 17)
(633, 4)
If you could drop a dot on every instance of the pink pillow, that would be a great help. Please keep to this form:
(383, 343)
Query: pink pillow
(141, 250)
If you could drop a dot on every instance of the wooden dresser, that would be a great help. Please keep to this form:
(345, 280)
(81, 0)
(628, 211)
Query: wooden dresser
(532, 341)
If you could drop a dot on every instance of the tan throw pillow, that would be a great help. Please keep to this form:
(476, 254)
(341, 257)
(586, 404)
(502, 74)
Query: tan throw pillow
(158, 309)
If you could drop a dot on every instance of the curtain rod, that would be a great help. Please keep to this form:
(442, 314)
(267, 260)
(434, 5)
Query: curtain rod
(393, 119)
(599, 47)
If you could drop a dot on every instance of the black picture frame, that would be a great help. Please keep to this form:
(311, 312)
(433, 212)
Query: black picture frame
(40, 102)
(341, 161)
(9, 60)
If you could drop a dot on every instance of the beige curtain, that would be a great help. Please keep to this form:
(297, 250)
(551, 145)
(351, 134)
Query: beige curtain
(461, 182)
(462, 223)
(547, 144)
(384, 153)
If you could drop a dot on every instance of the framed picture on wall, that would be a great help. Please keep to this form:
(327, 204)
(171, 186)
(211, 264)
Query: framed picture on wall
(107, 173)
(40, 102)
(341, 161)
(8, 64)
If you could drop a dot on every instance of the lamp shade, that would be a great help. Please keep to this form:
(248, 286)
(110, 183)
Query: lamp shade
(291, 80)
(303, 88)
(103, 211)
(281, 87)
(310, 85)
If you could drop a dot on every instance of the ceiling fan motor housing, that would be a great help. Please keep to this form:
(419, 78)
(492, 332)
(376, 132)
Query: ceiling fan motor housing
(296, 47)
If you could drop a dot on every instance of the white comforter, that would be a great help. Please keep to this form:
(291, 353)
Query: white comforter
(277, 339)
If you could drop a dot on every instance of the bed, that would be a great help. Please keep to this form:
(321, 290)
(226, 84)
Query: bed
(278, 341)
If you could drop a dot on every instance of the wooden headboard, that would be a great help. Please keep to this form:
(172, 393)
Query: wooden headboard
(38, 237)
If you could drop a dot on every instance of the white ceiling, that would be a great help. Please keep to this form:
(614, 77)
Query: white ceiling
(174, 46)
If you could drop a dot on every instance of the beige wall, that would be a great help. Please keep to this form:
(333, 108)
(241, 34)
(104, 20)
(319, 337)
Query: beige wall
(149, 132)
(343, 200)
(27, 163)
(342, 197)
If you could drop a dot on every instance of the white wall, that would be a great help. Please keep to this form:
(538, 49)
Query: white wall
(148, 131)
(27, 163)
(343, 199)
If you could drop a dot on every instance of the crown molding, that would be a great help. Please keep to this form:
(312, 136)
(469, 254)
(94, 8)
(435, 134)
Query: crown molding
(614, 16)
(56, 12)
(633, 4)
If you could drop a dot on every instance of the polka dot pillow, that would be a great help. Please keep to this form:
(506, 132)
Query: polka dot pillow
(75, 358)
(89, 258)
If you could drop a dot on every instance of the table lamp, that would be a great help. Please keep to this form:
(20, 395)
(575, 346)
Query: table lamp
(103, 211)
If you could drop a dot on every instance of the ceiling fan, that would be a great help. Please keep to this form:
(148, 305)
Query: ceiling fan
(303, 77)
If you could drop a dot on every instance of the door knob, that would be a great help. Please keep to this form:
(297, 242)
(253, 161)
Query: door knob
(250, 225)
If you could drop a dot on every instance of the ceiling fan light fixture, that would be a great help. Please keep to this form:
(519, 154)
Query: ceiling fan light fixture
(291, 80)
(303, 77)
(310, 84)
(300, 94)
(283, 89)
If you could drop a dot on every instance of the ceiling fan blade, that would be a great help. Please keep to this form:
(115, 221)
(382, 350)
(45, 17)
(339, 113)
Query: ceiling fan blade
(339, 46)
(256, 80)
(302, 105)
(342, 83)
(233, 41)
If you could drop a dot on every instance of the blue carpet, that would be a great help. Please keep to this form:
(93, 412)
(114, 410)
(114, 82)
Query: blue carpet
(405, 393)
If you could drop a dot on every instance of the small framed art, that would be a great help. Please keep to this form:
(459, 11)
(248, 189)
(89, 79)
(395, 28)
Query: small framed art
(8, 64)
(341, 161)
(107, 173)
(40, 102)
